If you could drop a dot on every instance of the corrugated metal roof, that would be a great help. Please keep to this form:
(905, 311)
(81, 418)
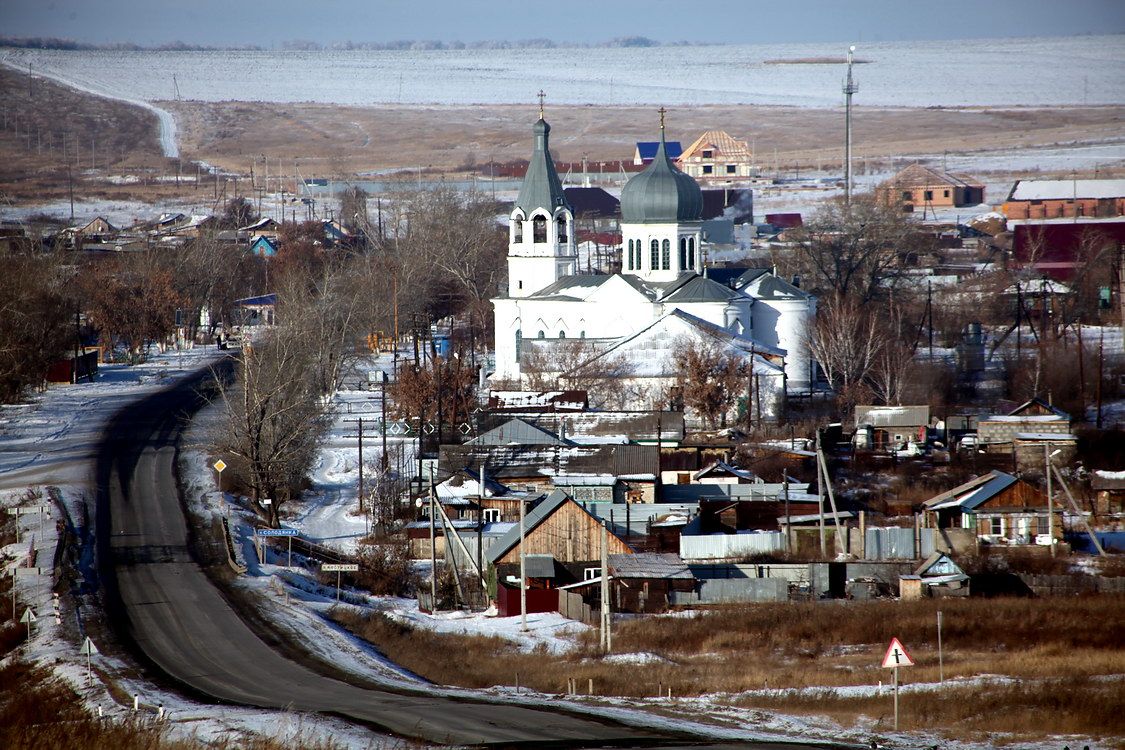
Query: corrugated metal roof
(664, 565)
(1030, 190)
(647, 149)
(972, 494)
(539, 566)
(517, 432)
(892, 416)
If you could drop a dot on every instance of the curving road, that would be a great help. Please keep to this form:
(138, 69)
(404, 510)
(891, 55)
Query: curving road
(162, 601)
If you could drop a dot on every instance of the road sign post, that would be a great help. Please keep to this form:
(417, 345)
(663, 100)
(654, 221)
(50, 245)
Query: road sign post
(940, 659)
(89, 649)
(896, 657)
(339, 568)
(289, 533)
(28, 617)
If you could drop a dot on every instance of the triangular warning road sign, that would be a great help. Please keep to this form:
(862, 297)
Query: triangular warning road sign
(896, 655)
(28, 616)
(88, 647)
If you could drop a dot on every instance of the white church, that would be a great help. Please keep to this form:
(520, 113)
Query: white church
(663, 296)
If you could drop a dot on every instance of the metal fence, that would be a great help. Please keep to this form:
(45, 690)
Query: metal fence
(730, 546)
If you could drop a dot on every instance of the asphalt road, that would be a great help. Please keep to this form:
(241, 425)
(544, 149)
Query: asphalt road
(162, 602)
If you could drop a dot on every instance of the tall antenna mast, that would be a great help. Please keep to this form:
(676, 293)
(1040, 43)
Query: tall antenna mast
(850, 87)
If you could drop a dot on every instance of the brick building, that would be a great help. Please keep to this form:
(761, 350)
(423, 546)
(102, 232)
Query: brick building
(1052, 199)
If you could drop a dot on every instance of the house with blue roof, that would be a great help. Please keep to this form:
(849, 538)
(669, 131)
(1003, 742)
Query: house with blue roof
(263, 246)
(645, 151)
(1000, 508)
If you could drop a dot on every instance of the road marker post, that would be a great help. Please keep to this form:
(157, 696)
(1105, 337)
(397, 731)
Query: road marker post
(940, 658)
(896, 657)
(339, 568)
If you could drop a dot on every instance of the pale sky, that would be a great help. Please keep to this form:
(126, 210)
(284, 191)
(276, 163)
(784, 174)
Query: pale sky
(235, 22)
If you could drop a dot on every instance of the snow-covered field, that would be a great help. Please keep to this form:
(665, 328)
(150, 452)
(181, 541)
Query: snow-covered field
(1014, 71)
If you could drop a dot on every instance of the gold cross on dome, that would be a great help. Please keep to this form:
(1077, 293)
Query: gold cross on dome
(541, 97)
(662, 112)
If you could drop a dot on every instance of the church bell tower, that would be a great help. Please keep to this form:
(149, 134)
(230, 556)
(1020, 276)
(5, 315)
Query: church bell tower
(541, 247)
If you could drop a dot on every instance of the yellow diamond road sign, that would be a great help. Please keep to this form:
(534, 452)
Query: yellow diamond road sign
(220, 465)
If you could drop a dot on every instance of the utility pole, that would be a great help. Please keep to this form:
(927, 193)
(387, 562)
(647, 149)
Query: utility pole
(1050, 497)
(523, 565)
(607, 635)
(433, 545)
(820, 500)
(850, 87)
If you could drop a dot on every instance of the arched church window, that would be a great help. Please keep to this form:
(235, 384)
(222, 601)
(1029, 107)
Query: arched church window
(683, 253)
(562, 334)
(629, 262)
(655, 259)
(539, 229)
(666, 255)
(560, 223)
(519, 343)
(691, 252)
(581, 334)
(517, 230)
(542, 335)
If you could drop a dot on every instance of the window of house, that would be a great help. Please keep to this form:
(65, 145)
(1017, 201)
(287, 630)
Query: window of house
(708, 154)
(492, 515)
(666, 255)
(589, 574)
(707, 169)
(539, 229)
(945, 193)
(561, 225)
(730, 169)
(928, 195)
(996, 526)
(655, 253)
(907, 195)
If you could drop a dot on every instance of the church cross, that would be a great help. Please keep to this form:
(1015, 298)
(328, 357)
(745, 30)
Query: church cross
(541, 97)
(662, 111)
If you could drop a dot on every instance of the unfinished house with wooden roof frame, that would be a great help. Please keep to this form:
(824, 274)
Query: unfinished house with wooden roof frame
(919, 187)
(717, 155)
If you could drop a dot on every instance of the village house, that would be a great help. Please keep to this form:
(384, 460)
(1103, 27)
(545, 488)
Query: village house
(1050, 199)
(879, 428)
(1034, 417)
(645, 151)
(717, 155)
(1109, 491)
(937, 576)
(918, 187)
(998, 507)
(562, 544)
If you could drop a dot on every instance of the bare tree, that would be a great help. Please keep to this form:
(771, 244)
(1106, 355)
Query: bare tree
(856, 250)
(580, 364)
(846, 340)
(36, 320)
(710, 378)
(275, 418)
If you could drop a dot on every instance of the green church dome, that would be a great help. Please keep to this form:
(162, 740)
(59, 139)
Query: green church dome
(661, 194)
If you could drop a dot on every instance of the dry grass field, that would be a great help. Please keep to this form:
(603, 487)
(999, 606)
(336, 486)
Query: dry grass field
(1064, 660)
(331, 140)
